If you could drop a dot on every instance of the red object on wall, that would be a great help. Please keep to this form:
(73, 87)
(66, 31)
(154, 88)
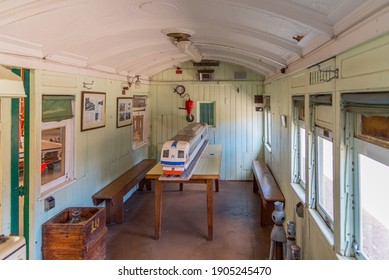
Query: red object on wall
(178, 71)
(189, 106)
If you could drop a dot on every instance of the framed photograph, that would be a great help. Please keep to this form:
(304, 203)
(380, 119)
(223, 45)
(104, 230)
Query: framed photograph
(124, 111)
(93, 110)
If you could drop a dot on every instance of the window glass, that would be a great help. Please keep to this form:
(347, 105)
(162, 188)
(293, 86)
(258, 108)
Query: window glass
(324, 179)
(374, 219)
(181, 154)
(165, 153)
(301, 151)
(52, 154)
(268, 127)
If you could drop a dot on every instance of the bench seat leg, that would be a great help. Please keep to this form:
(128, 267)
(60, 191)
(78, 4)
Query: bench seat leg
(115, 210)
(255, 185)
(145, 182)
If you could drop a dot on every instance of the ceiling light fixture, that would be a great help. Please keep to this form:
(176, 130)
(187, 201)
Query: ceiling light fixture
(182, 42)
(134, 80)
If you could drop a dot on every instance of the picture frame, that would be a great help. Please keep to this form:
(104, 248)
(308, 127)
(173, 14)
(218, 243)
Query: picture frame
(124, 114)
(283, 120)
(93, 110)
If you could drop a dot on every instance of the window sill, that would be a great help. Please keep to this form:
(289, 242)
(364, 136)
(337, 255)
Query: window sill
(300, 191)
(53, 190)
(328, 234)
(343, 258)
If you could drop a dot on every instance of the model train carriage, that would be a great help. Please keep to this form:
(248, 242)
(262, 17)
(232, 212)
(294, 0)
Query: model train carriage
(174, 157)
(180, 150)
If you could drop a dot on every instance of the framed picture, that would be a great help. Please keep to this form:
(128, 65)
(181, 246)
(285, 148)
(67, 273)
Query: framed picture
(93, 110)
(124, 111)
(283, 120)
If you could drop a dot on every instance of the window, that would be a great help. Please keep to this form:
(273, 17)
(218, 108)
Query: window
(372, 227)
(206, 112)
(324, 176)
(165, 153)
(321, 158)
(181, 154)
(299, 154)
(53, 154)
(140, 131)
(267, 122)
(57, 143)
(367, 166)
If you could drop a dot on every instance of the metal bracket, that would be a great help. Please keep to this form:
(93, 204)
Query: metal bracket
(326, 71)
(88, 86)
(21, 190)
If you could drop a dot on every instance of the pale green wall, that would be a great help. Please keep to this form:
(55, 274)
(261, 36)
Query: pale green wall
(238, 125)
(362, 69)
(101, 154)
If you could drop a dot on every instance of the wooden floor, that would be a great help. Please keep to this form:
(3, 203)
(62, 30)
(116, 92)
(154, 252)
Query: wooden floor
(237, 231)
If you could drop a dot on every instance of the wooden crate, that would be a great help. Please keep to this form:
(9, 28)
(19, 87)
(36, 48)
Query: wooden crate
(62, 240)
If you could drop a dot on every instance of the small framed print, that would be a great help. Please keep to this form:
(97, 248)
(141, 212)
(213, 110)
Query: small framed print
(93, 110)
(283, 120)
(124, 111)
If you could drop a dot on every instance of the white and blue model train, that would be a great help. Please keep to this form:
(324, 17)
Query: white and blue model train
(178, 152)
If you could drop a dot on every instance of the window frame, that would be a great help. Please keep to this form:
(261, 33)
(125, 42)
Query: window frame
(214, 112)
(355, 104)
(69, 165)
(321, 133)
(317, 125)
(298, 175)
(141, 110)
(267, 123)
(379, 154)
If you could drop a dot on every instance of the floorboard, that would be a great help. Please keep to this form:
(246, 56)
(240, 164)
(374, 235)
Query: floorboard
(237, 231)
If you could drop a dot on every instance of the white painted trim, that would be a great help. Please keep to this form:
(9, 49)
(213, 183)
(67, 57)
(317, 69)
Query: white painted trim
(374, 26)
(328, 234)
(299, 190)
(37, 63)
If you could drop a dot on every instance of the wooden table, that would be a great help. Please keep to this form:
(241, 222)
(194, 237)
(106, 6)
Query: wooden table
(206, 172)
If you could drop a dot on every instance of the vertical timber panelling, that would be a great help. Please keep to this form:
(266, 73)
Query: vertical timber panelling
(237, 122)
(101, 155)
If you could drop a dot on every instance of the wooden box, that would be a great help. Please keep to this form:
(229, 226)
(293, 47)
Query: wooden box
(62, 240)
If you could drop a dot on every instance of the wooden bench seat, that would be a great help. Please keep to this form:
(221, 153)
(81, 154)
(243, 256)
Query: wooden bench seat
(114, 192)
(269, 191)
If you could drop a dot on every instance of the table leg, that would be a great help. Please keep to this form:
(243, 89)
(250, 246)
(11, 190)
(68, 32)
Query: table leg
(210, 208)
(158, 208)
(216, 185)
(181, 187)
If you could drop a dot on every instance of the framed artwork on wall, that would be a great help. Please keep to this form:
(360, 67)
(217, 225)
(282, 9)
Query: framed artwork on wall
(93, 110)
(124, 111)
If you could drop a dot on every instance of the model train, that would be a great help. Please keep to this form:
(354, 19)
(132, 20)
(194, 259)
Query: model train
(178, 152)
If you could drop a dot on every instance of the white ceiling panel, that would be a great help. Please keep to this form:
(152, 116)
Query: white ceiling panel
(128, 36)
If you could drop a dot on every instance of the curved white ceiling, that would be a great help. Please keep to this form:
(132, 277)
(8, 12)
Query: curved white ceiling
(126, 36)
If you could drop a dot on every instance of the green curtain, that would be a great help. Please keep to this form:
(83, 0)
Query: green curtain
(57, 108)
(207, 113)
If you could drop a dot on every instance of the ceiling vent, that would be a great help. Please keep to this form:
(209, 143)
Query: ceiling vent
(205, 75)
(206, 62)
(240, 75)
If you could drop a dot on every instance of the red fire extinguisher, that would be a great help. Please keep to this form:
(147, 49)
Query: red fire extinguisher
(189, 104)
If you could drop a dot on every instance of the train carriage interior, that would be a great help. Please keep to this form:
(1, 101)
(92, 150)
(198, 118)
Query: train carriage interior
(291, 161)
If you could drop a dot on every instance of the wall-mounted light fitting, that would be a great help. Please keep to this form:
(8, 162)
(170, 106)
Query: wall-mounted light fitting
(134, 80)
